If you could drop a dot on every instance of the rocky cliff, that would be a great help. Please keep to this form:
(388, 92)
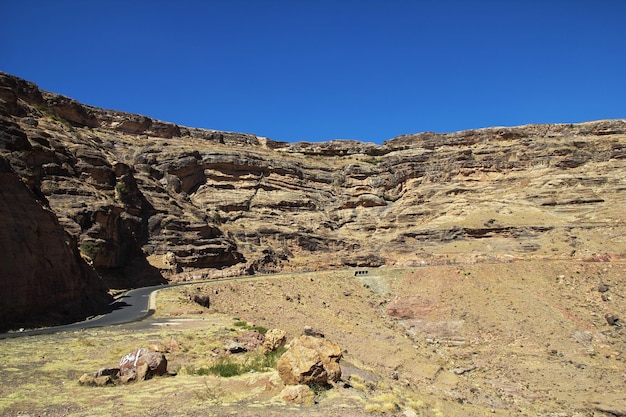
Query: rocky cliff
(146, 199)
(42, 276)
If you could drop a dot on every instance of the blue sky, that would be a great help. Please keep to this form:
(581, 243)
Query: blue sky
(319, 70)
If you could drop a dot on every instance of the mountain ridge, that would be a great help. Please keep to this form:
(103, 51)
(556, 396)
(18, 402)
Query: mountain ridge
(148, 201)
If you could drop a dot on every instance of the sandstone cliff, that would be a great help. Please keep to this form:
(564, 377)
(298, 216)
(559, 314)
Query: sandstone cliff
(146, 199)
(42, 276)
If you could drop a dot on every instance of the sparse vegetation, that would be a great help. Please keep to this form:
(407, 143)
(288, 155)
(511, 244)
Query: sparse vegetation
(227, 365)
(36, 365)
(372, 160)
(89, 249)
(212, 394)
(120, 191)
(246, 326)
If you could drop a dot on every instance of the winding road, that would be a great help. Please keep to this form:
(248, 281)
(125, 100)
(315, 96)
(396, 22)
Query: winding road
(133, 305)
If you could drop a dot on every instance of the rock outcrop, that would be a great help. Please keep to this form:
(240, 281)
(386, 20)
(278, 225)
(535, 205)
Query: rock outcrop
(147, 200)
(42, 276)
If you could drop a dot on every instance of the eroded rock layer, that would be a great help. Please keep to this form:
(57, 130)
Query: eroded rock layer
(144, 198)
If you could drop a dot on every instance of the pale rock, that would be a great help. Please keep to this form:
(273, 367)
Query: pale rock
(310, 360)
(298, 394)
(274, 339)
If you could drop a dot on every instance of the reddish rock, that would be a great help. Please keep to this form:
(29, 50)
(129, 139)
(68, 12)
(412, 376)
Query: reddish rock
(43, 275)
(142, 364)
(410, 307)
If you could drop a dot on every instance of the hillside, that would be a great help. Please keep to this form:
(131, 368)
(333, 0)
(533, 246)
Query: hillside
(145, 201)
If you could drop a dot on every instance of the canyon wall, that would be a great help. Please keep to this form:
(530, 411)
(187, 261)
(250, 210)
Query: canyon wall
(146, 201)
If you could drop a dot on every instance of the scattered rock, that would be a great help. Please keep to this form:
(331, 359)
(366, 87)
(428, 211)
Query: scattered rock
(250, 339)
(201, 299)
(612, 319)
(131, 365)
(90, 380)
(113, 372)
(86, 379)
(274, 339)
(235, 347)
(309, 331)
(310, 360)
(461, 371)
(298, 394)
(603, 288)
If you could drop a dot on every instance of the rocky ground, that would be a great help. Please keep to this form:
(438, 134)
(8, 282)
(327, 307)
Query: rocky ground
(491, 263)
(523, 338)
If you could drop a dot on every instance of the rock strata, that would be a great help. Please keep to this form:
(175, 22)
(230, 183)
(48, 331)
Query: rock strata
(43, 278)
(148, 201)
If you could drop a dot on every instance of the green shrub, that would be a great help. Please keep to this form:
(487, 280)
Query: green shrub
(224, 367)
(246, 326)
(89, 249)
(228, 366)
(120, 190)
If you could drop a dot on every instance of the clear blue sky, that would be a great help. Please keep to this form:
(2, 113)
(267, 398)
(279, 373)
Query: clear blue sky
(319, 69)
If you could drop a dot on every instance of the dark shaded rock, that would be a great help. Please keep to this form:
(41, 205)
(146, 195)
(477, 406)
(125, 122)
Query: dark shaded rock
(309, 331)
(612, 320)
(12, 137)
(44, 278)
(202, 299)
(112, 372)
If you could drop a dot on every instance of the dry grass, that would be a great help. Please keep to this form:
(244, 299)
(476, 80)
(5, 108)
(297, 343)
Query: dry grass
(528, 329)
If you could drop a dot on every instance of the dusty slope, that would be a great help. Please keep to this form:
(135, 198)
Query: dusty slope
(521, 339)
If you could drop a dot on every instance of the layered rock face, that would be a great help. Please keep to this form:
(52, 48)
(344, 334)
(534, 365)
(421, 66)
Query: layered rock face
(145, 198)
(42, 276)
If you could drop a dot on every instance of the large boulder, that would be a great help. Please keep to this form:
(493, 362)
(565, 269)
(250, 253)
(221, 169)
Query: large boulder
(310, 361)
(142, 364)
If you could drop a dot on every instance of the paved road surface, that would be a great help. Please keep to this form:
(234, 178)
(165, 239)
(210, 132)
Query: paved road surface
(132, 306)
